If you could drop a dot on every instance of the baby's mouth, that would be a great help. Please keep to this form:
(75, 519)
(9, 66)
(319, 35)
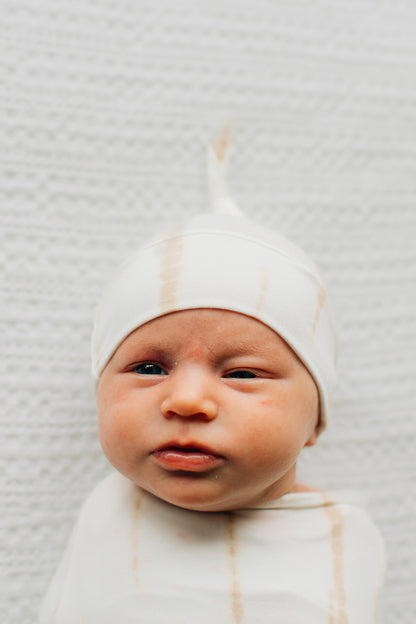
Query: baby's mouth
(192, 458)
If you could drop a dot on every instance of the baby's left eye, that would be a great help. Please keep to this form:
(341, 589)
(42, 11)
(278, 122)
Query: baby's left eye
(241, 374)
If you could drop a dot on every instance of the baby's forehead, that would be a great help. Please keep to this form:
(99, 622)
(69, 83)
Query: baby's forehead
(221, 331)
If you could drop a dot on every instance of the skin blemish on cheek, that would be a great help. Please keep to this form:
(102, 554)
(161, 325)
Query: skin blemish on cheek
(267, 402)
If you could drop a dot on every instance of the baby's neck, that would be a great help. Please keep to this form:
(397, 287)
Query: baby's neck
(302, 487)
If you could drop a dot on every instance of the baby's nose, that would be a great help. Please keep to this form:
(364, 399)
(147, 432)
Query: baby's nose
(189, 396)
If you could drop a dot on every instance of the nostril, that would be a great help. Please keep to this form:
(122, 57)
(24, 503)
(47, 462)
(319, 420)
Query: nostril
(182, 414)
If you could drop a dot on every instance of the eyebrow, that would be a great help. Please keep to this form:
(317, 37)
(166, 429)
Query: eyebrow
(149, 350)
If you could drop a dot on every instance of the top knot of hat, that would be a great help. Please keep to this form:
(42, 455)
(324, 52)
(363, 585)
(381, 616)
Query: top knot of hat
(218, 153)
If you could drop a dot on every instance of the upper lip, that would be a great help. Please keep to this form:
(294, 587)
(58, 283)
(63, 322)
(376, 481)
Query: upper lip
(187, 446)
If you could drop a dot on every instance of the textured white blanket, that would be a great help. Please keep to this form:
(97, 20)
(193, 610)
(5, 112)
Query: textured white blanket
(105, 108)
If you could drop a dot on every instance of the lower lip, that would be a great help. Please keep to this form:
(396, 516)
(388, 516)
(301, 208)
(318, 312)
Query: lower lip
(191, 461)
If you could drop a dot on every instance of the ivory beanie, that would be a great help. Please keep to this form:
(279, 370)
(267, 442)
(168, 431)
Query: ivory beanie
(226, 261)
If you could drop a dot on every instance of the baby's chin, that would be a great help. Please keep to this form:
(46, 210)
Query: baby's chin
(193, 497)
(195, 502)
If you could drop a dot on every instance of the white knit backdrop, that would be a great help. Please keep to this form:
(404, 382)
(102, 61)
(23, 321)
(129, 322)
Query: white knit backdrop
(105, 110)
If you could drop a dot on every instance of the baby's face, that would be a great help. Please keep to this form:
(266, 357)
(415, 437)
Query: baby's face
(207, 409)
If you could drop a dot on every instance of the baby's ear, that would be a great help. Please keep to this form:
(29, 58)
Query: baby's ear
(312, 440)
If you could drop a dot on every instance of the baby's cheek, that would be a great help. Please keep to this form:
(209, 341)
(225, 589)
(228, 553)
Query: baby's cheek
(125, 428)
(115, 431)
(261, 433)
(271, 440)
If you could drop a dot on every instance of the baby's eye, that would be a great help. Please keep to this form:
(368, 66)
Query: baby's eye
(241, 374)
(148, 368)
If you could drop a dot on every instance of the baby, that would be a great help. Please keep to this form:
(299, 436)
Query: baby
(214, 355)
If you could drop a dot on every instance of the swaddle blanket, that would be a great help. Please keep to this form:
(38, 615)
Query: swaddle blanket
(303, 558)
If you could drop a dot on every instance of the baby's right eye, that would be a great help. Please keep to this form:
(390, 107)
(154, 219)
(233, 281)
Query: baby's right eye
(148, 368)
